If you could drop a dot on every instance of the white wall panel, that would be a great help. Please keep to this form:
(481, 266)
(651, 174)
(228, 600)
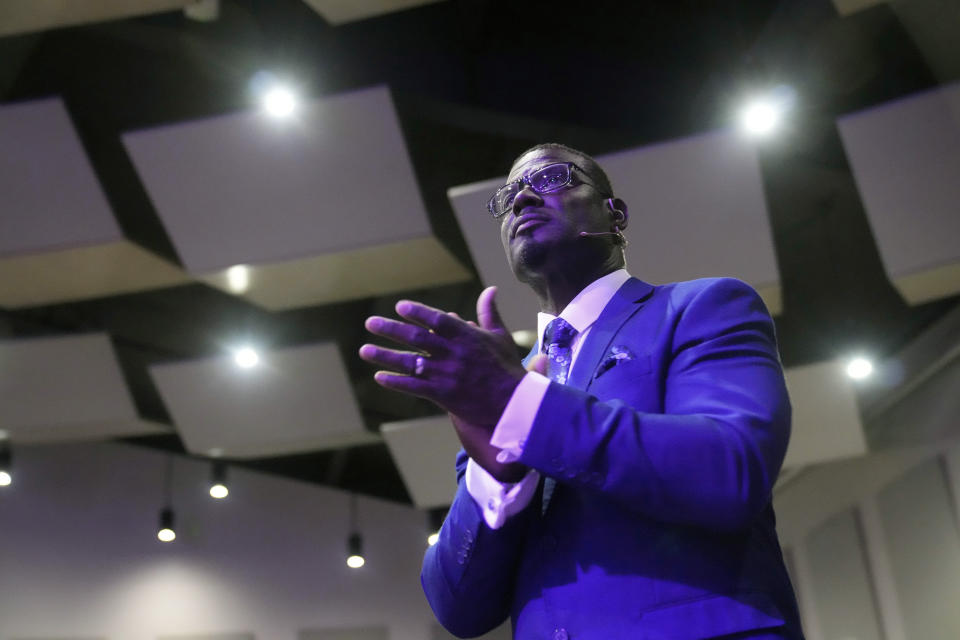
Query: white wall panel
(924, 545)
(841, 583)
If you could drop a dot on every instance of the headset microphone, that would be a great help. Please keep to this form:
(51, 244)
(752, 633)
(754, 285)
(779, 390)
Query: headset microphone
(584, 234)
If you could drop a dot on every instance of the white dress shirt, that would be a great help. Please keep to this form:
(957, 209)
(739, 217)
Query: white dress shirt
(499, 500)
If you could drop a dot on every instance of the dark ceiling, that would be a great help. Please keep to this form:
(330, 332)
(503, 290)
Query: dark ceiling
(475, 83)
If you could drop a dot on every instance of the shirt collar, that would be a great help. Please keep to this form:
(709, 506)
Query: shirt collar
(585, 308)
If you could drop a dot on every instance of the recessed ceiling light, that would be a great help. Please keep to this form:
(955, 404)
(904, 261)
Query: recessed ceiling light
(238, 278)
(279, 101)
(246, 358)
(859, 368)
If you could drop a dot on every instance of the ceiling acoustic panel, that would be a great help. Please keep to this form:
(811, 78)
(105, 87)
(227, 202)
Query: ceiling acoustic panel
(25, 16)
(59, 240)
(211, 636)
(905, 157)
(826, 417)
(424, 451)
(293, 400)
(318, 207)
(696, 207)
(65, 388)
(345, 633)
(338, 12)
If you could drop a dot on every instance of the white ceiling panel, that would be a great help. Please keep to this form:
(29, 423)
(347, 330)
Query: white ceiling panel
(247, 188)
(59, 240)
(343, 11)
(20, 16)
(324, 204)
(65, 388)
(696, 207)
(294, 400)
(49, 195)
(905, 157)
(81, 273)
(424, 451)
(826, 417)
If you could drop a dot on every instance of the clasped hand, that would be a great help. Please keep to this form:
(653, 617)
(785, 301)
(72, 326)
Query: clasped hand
(468, 369)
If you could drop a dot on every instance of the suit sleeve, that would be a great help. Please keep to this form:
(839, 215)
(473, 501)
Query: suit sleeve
(710, 459)
(468, 575)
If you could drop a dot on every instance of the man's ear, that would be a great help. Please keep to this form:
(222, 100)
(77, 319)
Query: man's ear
(618, 211)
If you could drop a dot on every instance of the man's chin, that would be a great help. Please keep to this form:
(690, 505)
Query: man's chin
(529, 255)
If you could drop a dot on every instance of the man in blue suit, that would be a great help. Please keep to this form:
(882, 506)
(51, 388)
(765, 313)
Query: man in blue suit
(619, 487)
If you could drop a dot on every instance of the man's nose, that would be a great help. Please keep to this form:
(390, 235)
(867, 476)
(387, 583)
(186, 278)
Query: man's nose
(525, 198)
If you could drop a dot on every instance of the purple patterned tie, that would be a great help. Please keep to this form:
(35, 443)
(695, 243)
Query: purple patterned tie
(558, 339)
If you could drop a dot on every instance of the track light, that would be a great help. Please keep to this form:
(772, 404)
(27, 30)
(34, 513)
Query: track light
(355, 558)
(218, 480)
(166, 532)
(6, 473)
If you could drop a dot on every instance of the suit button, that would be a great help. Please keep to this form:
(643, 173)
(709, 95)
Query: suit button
(560, 634)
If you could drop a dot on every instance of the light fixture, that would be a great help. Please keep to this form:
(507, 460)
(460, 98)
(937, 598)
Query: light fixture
(524, 338)
(859, 368)
(435, 519)
(6, 472)
(218, 480)
(238, 278)
(279, 101)
(246, 357)
(355, 558)
(166, 531)
(761, 115)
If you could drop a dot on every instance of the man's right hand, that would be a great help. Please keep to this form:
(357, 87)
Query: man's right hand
(476, 440)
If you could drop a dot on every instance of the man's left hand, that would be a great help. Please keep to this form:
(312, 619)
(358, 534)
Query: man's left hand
(469, 370)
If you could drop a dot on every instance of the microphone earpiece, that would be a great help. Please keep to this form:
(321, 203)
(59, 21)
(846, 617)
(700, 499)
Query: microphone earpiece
(584, 234)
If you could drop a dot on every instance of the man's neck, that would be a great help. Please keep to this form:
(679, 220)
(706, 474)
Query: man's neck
(556, 289)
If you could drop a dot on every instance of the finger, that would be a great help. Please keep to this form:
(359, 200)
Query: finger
(457, 316)
(538, 364)
(487, 312)
(406, 384)
(405, 333)
(436, 320)
(401, 361)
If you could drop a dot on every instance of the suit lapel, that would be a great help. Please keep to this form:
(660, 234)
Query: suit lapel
(625, 302)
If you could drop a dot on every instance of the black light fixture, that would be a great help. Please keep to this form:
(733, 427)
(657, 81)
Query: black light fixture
(6, 457)
(218, 480)
(166, 532)
(355, 558)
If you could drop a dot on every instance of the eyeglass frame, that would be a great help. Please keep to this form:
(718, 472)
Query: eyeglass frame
(526, 180)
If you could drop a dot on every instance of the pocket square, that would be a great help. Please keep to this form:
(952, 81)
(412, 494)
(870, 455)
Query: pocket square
(616, 355)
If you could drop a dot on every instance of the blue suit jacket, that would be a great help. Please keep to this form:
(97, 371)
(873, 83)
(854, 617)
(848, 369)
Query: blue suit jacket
(660, 526)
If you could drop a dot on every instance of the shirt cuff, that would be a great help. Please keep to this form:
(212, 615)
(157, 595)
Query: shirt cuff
(510, 434)
(498, 500)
